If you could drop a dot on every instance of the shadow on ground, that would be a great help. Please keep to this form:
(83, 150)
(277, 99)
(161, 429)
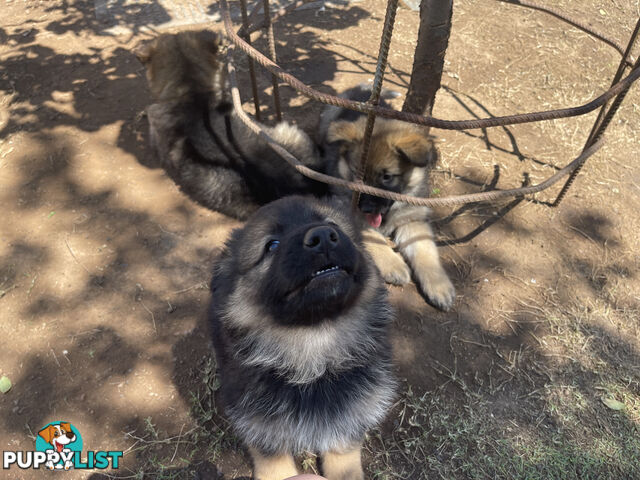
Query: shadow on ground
(106, 268)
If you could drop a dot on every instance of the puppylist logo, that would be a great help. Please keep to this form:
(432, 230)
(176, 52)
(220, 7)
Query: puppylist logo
(59, 447)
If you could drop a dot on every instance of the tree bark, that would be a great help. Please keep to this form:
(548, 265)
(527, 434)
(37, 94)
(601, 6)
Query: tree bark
(428, 62)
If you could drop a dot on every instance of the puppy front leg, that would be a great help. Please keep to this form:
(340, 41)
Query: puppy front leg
(415, 242)
(68, 464)
(392, 267)
(344, 465)
(272, 467)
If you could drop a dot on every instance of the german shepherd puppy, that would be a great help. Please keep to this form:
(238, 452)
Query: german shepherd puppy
(200, 140)
(400, 157)
(300, 319)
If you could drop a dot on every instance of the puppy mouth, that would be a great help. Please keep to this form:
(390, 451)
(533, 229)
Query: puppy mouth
(328, 270)
(374, 213)
(59, 445)
(374, 219)
(322, 274)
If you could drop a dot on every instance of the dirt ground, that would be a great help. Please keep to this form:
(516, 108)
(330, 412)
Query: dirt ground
(104, 264)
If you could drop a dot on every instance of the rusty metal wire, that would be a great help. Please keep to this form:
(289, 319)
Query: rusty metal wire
(257, 25)
(604, 116)
(571, 21)
(272, 53)
(411, 117)
(410, 199)
(385, 43)
(618, 90)
(252, 71)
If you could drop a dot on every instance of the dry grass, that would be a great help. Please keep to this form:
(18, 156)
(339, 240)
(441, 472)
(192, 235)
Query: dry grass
(556, 427)
(554, 420)
(173, 457)
(548, 298)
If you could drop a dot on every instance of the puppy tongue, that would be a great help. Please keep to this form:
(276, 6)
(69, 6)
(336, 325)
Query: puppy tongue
(59, 447)
(374, 219)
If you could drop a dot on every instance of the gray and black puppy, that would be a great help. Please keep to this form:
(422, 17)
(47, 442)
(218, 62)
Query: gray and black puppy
(199, 139)
(400, 158)
(300, 320)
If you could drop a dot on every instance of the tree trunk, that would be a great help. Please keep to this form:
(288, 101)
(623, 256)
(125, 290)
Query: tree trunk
(428, 62)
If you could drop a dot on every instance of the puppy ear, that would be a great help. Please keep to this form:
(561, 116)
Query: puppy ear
(417, 149)
(66, 426)
(47, 433)
(351, 132)
(144, 51)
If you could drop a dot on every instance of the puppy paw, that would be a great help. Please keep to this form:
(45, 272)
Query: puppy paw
(342, 465)
(438, 289)
(393, 269)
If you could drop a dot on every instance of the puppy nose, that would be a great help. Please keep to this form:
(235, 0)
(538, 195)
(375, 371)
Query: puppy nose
(320, 238)
(70, 434)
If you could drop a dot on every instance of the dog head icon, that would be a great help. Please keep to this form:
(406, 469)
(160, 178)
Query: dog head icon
(59, 436)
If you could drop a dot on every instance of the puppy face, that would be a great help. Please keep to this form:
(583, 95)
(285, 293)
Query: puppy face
(399, 157)
(181, 63)
(296, 262)
(58, 435)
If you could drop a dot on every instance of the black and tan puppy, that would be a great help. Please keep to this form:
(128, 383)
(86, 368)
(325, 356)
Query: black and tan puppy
(199, 139)
(300, 319)
(400, 157)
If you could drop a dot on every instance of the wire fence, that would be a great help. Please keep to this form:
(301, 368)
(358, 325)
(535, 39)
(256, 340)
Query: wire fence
(608, 102)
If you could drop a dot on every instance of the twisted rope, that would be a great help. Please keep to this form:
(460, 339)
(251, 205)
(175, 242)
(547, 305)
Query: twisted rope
(410, 199)
(255, 26)
(571, 21)
(385, 43)
(272, 53)
(604, 116)
(412, 117)
(252, 72)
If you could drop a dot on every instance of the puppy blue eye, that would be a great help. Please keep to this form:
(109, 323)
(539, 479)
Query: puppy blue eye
(272, 245)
